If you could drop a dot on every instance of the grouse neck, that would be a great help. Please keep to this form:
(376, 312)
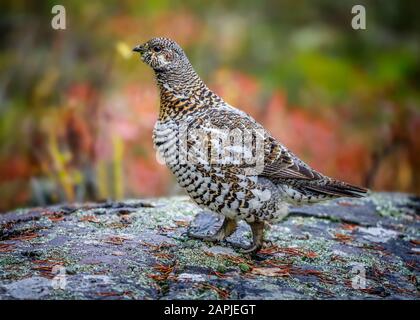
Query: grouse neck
(182, 92)
(181, 80)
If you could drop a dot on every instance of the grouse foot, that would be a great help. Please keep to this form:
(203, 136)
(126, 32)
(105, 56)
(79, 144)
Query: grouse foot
(227, 228)
(257, 228)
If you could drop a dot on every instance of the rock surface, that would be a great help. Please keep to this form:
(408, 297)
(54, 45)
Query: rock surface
(139, 249)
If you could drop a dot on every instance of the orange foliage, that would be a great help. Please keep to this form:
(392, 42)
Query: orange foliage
(14, 167)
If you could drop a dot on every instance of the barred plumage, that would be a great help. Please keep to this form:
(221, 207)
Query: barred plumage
(195, 127)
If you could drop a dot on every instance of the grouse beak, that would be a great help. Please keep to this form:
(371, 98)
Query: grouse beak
(139, 48)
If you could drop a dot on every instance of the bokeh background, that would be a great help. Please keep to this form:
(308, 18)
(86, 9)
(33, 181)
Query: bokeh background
(77, 108)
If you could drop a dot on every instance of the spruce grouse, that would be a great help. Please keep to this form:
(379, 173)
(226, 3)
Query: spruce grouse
(223, 158)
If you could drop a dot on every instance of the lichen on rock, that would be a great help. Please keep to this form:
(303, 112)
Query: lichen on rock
(139, 249)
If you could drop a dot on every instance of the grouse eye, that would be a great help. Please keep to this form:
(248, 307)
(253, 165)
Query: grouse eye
(157, 49)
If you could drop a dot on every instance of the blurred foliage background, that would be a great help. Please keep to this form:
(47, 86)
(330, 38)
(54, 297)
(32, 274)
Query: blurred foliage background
(77, 108)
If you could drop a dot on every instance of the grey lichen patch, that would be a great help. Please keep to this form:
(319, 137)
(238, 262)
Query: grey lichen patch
(29, 288)
(191, 257)
(12, 268)
(389, 206)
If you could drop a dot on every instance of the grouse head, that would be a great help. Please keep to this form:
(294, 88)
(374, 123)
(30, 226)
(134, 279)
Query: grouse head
(162, 54)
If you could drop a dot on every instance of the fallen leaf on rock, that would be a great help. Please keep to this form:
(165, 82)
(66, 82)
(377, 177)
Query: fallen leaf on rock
(56, 217)
(271, 272)
(158, 247)
(89, 218)
(348, 226)
(182, 223)
(342, 237)
(6, 247)
(289, 252)
(415, 242)
(222, 293)
(118, 240)
(219, 274)
(162, 255)
(25, 236)
(46, 267)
